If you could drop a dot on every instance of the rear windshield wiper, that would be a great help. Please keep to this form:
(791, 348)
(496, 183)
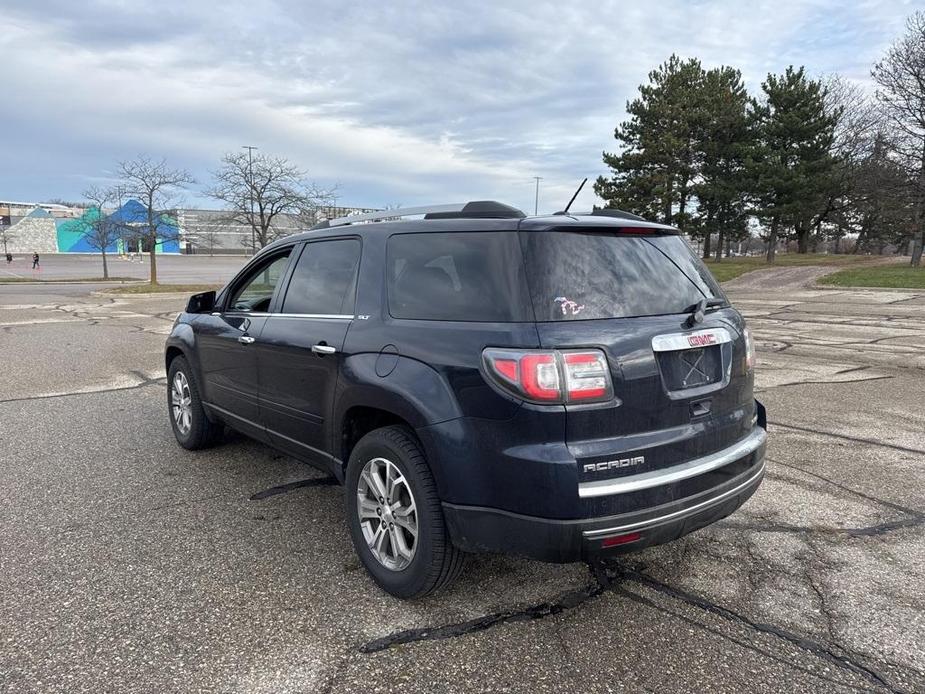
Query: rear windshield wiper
(697, 310)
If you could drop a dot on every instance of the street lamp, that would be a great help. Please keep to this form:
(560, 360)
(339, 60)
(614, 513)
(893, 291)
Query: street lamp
(536, 200)
(250, 190)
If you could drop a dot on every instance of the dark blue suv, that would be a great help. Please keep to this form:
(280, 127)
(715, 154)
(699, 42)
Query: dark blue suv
(481, 381)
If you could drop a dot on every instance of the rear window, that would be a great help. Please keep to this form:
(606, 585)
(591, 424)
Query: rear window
(575, 275)
(461, 276)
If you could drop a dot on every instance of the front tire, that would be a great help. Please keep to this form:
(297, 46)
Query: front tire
(193, 429)
(395, 518)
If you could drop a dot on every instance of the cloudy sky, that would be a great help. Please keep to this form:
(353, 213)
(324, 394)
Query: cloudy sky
(395, 102)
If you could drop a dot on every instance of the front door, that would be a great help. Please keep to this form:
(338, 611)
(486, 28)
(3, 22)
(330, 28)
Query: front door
(226, 339)
(300, 349)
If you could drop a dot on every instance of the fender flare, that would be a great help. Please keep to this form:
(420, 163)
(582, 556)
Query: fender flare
(413, 391)
(183, 339)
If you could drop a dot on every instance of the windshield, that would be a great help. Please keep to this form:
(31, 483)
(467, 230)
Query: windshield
(584, 275)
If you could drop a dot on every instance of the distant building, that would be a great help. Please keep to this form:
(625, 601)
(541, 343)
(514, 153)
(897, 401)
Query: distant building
(56, 228)
(33, 232)
(214, 231)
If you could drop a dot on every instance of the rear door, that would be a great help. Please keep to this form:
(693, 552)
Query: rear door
(225, 343)
(681, 391)
(300, 348)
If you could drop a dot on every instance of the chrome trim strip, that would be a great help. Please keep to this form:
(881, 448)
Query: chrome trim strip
(691, 468)
(338, 316)
(690, 510)
(679, 341)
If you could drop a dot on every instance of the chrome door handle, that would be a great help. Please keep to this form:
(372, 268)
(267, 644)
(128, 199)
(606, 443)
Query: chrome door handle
(247, 340)
(323, 349)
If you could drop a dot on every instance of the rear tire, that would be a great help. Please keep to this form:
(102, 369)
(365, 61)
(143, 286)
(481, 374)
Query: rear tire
(193, 429)
(405, 564)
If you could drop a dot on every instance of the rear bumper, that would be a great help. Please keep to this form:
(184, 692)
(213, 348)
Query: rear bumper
(481, 529)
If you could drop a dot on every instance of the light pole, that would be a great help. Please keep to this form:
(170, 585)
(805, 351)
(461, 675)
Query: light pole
(250, 190)
(536, 200)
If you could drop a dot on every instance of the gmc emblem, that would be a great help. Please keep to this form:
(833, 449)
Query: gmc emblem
(702, 340)
(615, 464)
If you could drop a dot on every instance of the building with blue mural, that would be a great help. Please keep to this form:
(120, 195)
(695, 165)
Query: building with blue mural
(131, 226)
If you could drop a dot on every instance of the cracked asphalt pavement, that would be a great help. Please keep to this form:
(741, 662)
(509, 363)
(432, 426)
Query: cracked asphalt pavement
(128, 564)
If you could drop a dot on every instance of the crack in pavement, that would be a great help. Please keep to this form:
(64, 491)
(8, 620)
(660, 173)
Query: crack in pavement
(770, 526)
(864, 495)
(566, 601)
(845, 660)
(605, 581)
(863, 320)
(856, 439)
(764, 389)
(148, 381)
(290, 486)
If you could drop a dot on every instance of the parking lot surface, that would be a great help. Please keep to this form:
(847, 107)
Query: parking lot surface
(129, 564)
(175, 269)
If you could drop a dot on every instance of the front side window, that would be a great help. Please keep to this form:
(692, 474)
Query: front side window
(324, 279)
(255, 292)
(457, 276)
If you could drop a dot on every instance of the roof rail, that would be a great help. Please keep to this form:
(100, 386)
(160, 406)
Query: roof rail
(481, 209)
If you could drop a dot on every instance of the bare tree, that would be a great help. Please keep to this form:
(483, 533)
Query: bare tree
(901, 79)
(156, 186)
(5, 236)
(99, 230)
(258, 190)
(856, 119)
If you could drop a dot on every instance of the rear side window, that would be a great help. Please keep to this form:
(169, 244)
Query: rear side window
(324, 279)
(461, 276)
(575, 275)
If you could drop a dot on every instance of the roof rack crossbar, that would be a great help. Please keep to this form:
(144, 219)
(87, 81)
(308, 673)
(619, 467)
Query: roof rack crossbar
(481, 209)
(398, 212)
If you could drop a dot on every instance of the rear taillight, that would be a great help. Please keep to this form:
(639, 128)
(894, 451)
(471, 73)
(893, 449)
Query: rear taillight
(587, 376)
(551, 376)
(749, 350)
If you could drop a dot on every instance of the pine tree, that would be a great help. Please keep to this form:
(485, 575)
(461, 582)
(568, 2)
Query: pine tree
(723, 145)
(793, 161)
(655, 170)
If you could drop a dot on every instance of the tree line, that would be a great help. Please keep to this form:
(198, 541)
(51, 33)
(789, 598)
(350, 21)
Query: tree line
(255, 191)
(810, 160)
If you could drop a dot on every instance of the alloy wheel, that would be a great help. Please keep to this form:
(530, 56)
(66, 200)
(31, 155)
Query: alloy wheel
(181, 403)
(387, 513)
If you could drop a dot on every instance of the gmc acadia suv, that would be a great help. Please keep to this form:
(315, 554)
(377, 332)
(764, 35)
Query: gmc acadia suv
(481, 381)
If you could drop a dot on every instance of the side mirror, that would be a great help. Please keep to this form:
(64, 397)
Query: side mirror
(201, 303)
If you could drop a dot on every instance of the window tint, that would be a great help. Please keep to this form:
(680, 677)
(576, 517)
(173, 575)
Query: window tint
(467, 276)
(256, 291)
(324, 279)
(586, 275)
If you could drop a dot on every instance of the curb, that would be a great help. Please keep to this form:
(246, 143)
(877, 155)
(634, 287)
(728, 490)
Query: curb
(31, 283)
(141, 295)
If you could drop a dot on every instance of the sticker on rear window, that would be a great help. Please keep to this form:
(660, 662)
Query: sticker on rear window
(569, 307)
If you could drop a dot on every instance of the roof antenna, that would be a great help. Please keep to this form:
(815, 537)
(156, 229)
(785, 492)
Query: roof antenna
(565, 211)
